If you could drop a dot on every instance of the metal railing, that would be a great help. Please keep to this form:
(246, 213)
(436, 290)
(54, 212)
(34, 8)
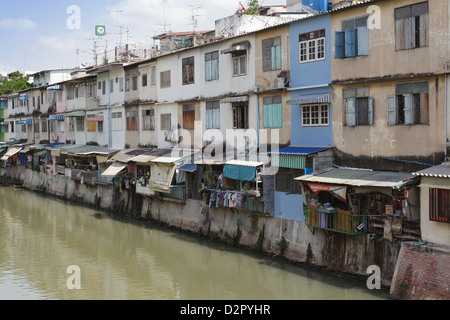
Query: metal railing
(335, 220)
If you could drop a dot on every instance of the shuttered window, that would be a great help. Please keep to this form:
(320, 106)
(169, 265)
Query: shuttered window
(165, 81)
(411, 26)
(148, 119)
(213, 115)
(188, 116)
(440, 205)
(132, 120)
(271, 49)
(240, 115)
(116, 121)
(353, 41)
(166, 123)
(410, 105)
(272, 112)
(359, 107)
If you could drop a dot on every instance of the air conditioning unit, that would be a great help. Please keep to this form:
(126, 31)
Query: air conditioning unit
(278, 83)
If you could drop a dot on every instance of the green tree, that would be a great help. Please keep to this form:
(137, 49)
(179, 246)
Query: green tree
(15, 83)
(252, 7)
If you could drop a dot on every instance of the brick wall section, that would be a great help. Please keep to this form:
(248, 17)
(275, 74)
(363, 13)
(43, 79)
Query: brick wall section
(422, 273)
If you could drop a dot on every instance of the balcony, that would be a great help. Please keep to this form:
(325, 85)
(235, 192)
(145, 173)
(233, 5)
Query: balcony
(335, 220)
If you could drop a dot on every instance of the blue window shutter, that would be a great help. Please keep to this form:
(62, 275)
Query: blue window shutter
(363, 41)
(350, 112)
(350, 43)
(266, 116)
(339, 45)
(370, 113)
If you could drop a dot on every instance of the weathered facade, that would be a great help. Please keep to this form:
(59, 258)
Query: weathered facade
(389, 89)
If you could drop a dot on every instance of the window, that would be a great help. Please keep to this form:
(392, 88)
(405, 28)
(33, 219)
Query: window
(212, 66)
(103, 87)
(409, 105)
(239, 63)
(271, 51)
(411, 26)
(111, 86)
(188, 116)
(166, 121)
(52, 126)
(272, 112)
(312, 46)
(315, 115)
(36, 127)
(240, 115)
(80, 124)
(70, 93)
(359, 106)
(135, 83)
(353, 41)
(127, 84)
(99, 86)
(12, 126)
(284, 180)
(148, 119)
(144, 80)
(165, 79)
(44, 125)
(440, 205)
(91, 124)
(213, 115)
(100, 126)
(153, 76)
(116, 123)
(132, 120)
(188, 70)
(120, 84)
(71, 124)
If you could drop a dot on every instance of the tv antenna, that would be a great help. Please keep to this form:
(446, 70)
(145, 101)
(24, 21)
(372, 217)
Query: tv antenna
(165, 25)
(194, 16)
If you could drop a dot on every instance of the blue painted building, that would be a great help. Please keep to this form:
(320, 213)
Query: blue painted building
(311, 130)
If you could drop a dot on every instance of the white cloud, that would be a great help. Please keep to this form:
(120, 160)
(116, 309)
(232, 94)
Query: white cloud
(19, 23)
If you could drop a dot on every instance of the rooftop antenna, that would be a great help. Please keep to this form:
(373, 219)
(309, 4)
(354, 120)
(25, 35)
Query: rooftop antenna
(164, 16)
(118, 26)
(194, 17)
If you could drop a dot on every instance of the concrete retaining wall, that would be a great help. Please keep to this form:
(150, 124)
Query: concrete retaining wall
(334, 252)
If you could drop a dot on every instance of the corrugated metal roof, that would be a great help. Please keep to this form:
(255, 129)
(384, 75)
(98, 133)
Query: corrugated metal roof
(441, 171)
(357, 178)
(245, 163)
(299, 151)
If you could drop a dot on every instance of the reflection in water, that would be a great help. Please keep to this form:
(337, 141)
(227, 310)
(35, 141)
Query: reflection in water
(42, 237)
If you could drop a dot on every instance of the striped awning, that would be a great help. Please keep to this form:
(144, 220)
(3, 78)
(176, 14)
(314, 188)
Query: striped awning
(234, 99)
(314, 98)
(23, 98)
(28, 121)
(57, 117)
(293, 157)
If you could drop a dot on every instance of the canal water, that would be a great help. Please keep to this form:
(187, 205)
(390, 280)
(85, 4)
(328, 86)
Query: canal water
(118, 259)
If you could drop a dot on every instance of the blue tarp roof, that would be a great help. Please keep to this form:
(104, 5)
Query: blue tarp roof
(188, 168)
(299, 151)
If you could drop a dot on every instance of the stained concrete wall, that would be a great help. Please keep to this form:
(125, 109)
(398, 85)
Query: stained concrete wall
(341, 253)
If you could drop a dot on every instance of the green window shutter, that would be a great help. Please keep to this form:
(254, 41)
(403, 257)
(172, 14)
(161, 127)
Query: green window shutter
(351, 112)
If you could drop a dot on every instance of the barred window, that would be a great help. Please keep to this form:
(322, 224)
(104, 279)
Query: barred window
(440, 205)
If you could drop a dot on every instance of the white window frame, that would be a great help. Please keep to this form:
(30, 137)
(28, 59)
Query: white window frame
(312, 47)
(307, 109)
(238, 62)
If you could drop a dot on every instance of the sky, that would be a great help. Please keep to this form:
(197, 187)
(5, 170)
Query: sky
(42, 35)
